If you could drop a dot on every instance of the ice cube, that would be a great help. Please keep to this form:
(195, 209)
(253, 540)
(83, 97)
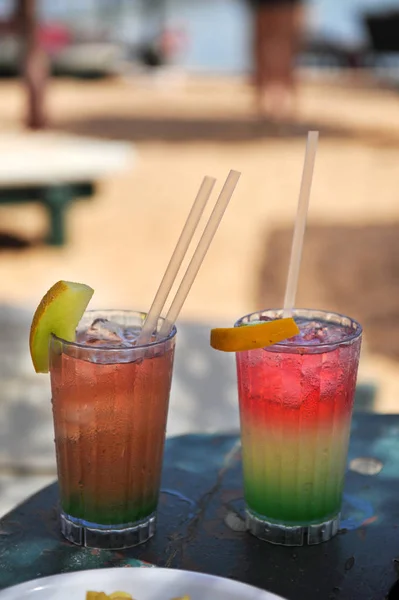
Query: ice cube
(103, 332)
(131, 334)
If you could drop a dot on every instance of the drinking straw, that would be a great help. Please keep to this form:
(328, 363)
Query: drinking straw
(200, 252)
(176, 259)
(300, 223)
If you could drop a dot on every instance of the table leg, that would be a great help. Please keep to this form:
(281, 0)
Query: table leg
(56, 200)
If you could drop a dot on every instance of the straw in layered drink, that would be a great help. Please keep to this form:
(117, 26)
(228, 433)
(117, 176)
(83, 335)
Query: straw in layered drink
(300, 223)
(176, 259)
(192, 269)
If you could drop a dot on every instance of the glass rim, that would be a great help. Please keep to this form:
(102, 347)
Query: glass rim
(154, 344)
(347, 339)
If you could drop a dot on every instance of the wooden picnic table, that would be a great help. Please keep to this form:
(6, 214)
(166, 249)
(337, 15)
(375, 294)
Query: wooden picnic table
(55, 169)
(201, 525)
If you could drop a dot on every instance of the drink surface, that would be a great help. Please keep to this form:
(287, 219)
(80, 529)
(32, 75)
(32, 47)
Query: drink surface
(314, 332)
(110, 422)
(295, 407)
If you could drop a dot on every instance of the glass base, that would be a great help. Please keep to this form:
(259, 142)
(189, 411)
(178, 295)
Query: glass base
(112, 537)
(284, 535)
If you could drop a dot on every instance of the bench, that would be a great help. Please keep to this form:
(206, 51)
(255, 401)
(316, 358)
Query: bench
(55, 170)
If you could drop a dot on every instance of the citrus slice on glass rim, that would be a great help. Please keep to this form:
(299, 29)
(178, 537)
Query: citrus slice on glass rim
(58, 313)
(253, 335)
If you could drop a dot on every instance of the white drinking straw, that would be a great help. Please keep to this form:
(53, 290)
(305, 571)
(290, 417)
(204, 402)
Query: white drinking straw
(300, 223)
(199, 254)
(176, 260)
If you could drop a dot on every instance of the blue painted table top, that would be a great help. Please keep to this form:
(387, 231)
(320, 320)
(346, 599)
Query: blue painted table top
(201, 525)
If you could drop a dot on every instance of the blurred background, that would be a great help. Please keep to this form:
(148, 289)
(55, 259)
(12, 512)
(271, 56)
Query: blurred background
(112, 111)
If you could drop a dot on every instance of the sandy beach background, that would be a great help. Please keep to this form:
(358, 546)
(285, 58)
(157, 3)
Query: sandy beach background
(120, 240)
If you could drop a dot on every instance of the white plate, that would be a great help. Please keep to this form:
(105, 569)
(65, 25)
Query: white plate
(141, 583)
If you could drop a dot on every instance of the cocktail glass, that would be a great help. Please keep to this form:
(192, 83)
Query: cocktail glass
(296, 401)
(110, 403)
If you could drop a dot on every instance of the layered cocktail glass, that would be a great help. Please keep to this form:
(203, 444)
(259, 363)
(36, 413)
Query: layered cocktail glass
(296, 401)
(110, 403)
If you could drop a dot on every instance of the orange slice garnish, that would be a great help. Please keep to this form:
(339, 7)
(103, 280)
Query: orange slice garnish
(253, 335)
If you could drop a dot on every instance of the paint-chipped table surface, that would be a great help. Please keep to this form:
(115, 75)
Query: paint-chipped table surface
(201, 526)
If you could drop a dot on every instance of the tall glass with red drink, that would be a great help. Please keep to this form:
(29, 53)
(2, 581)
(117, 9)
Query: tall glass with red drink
(296, 400)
